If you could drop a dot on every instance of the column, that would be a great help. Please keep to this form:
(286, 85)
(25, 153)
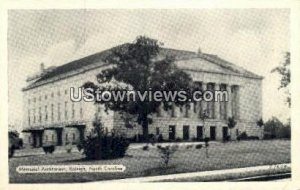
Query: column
(229, 103)
(203, 103)
(217, 103)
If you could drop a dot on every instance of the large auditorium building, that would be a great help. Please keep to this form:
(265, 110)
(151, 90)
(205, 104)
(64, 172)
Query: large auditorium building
(50, 117)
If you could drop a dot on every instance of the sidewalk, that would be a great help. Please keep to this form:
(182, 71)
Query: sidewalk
(194, 176)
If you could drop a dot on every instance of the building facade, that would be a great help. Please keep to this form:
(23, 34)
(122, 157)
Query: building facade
(50, 117)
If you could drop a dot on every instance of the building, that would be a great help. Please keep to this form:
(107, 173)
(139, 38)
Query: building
(51, 118)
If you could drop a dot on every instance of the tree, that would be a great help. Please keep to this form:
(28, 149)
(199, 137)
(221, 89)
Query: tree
(231, 124)
(285, 72)
(260, 123)
(276, 129)
(139, 67)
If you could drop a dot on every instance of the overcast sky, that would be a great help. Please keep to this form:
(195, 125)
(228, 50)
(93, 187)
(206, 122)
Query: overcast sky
(255, 39)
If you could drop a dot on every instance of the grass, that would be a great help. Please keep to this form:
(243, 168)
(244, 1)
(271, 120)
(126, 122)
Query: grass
(147, 163)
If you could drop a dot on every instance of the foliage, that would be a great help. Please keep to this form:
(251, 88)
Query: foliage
(11, 152)
(49, 149)
(14, 134)
(260, 122)
(68, 148)
(160, 138)
(145, 148)
(231, 122)
(14, 140)
(242, 136)
(101, 145)
(167, 153)
(274, 128)
(198, 146)
(285, 72)
(139, 66)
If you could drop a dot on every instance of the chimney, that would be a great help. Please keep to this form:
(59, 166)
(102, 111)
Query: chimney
(42, 66)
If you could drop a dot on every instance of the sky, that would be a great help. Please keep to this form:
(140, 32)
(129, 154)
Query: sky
(255, 39)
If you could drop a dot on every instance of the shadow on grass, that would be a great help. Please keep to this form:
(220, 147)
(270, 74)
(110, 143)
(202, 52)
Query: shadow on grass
(91, 160)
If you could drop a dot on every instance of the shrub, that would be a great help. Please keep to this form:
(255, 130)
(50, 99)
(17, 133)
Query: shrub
(206, 141)
(101, 145)
(68, 148)
(227, 138)
(11, 151)
(189, 146)
(198, 146)
(166, 153)
(242, 136)
(160, 138)
(145, 148)
(178, 139)
(49, 149)
(79, 147)
(253, 138)
(105, 147)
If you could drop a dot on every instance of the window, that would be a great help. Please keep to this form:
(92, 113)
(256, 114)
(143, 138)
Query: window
(29, 139)
(28, 117)
(40, 114)
(52, 114)
(186, 132)
(67, 138)
(46, 97)
(52, 137)
(66, 110)
(46, 138)
(46, 113)
(34, 100)
(34, 116)
(66, 92)
(58, 112)
(74, 137)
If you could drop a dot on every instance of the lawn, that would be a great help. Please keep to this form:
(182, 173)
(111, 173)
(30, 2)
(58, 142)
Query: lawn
(148, 163)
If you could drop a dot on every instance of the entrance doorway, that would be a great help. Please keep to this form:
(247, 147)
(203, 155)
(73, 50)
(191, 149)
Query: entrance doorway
(225, 133)
(186, 132)
(199, 132)
(212, 133)
(172, 132)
